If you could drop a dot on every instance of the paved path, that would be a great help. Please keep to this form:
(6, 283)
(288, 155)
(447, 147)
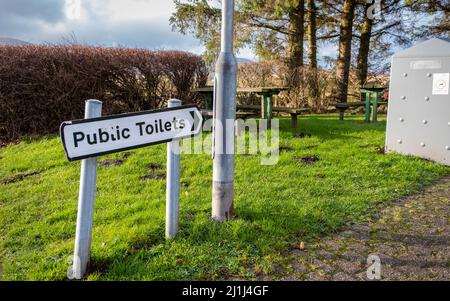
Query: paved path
(411, 238)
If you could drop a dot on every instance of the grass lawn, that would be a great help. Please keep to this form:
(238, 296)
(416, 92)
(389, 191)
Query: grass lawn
(275, 205)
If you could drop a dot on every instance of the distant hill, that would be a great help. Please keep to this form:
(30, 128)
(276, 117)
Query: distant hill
(12, 42)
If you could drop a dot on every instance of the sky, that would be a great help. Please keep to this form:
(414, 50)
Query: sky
(130, 23)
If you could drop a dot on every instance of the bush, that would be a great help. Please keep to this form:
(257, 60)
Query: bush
(41, 86)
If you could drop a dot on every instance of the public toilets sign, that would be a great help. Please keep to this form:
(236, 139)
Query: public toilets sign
(95, 136)
(103, 135)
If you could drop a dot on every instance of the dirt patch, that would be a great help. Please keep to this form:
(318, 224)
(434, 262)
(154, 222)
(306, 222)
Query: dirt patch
(380, 150)
(309, 147)
(125, 155)
(153, 176)
(154, 166)
(19, 177)
(302, 135)
(284, 149)
(308, 160)
(111, 162)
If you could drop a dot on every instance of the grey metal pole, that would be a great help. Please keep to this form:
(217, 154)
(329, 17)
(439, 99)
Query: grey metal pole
(224, 117)
(173, 182)
(86, 198)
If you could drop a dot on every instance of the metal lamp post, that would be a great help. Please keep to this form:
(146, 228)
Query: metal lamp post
(224, 118)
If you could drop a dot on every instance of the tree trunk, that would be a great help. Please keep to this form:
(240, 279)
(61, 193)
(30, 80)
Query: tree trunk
(295, 41)
(313, 91)
(312, 39)
(364, 47)
(345, 44)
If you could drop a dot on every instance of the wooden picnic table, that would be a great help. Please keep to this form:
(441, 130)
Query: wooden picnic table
(266, 108)
(294, 112)
(266, 94)
(367, 104)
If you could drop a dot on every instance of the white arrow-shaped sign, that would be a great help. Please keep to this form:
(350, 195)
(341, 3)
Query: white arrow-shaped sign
(99, 136)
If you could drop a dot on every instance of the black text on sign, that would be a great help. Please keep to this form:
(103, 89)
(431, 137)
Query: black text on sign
(98, 136)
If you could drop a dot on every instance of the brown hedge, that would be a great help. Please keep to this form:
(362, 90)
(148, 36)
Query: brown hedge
(41, 86)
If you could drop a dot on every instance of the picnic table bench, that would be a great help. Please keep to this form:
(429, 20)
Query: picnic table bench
(292, 111)
(367, 104)
(266, 108)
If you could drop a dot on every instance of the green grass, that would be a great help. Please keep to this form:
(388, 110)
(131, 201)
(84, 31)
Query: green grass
(275, 205)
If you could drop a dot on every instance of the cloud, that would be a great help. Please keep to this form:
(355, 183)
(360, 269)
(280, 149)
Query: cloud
(135, 23)
(21, 16)
(49, 10)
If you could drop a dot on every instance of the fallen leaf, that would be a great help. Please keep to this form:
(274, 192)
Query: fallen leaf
(302, 246)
